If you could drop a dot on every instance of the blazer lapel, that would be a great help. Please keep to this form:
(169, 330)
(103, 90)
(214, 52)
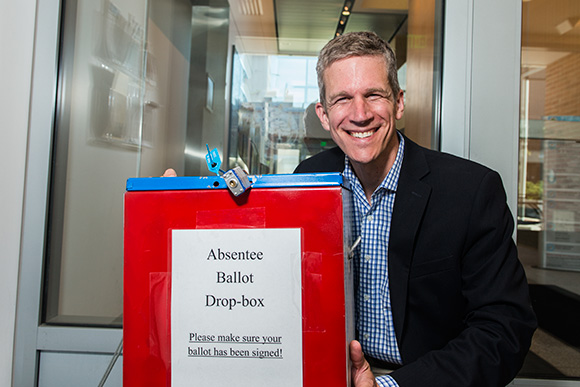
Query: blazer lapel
(410, 203)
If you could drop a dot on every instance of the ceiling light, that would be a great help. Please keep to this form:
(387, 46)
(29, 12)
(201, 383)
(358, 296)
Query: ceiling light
(251, 7)
(344, 14)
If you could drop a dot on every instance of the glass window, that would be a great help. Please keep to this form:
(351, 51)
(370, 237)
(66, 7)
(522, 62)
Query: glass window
(99, 134)
(273, 119)
(549, 185)
(133, 101)
(145, 85)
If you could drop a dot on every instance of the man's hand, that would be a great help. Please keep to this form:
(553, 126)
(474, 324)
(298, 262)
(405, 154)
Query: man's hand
(361, 373)
(170, 172)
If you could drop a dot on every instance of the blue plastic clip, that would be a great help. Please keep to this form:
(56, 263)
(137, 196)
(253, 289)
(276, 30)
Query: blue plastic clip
(213, 160)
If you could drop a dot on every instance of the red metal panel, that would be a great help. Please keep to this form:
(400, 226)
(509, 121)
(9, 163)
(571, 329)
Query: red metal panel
(149, 218)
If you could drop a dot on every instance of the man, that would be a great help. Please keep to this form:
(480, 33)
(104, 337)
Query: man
(441, 297)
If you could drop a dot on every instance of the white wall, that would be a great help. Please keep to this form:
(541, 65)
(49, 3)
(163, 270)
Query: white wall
(17, 21)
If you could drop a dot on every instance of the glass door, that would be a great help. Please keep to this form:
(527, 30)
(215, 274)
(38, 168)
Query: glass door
(549, 183)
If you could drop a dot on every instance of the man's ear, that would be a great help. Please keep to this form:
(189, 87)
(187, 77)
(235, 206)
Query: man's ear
(322, 116)
(400, 105)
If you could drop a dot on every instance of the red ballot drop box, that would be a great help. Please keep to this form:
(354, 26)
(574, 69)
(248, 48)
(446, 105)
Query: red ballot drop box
(253, 290)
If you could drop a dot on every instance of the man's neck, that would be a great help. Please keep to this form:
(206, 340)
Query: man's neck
(372, 175)
(370, 178)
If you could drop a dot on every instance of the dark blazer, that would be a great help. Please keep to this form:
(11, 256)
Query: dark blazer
(459, 295)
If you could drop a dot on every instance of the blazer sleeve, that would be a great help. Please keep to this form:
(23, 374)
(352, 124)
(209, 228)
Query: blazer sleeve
(498, 321)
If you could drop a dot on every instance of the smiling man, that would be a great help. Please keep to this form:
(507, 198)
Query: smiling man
(360, 111)
(441, 297)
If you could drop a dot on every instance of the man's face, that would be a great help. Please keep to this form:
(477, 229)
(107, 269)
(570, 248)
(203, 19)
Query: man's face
(361, 110)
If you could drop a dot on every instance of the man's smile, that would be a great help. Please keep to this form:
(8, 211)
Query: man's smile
(366, 134)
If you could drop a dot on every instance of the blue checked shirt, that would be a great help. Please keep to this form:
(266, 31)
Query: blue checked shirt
(372, 222)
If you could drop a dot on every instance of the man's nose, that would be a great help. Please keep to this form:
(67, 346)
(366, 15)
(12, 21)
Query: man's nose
(360, 110)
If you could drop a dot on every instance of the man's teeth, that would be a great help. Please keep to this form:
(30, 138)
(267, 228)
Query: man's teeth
(362, 134)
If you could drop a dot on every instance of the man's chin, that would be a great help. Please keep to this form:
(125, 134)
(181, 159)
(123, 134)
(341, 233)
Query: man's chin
(363, 161)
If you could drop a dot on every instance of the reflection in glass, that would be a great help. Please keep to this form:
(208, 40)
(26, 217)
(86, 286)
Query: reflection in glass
(132, 100)
(117, 86)
(273, 125)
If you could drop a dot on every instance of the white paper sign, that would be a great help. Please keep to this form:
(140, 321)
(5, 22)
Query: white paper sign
(236, 308)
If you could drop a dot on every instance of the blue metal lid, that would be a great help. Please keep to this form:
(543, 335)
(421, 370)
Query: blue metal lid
(217, 182)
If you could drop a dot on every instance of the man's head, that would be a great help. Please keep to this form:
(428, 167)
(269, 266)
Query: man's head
(356, 44)
(361, 101)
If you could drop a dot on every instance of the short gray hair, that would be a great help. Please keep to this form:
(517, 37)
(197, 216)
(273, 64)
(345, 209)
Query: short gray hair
(364, 43)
